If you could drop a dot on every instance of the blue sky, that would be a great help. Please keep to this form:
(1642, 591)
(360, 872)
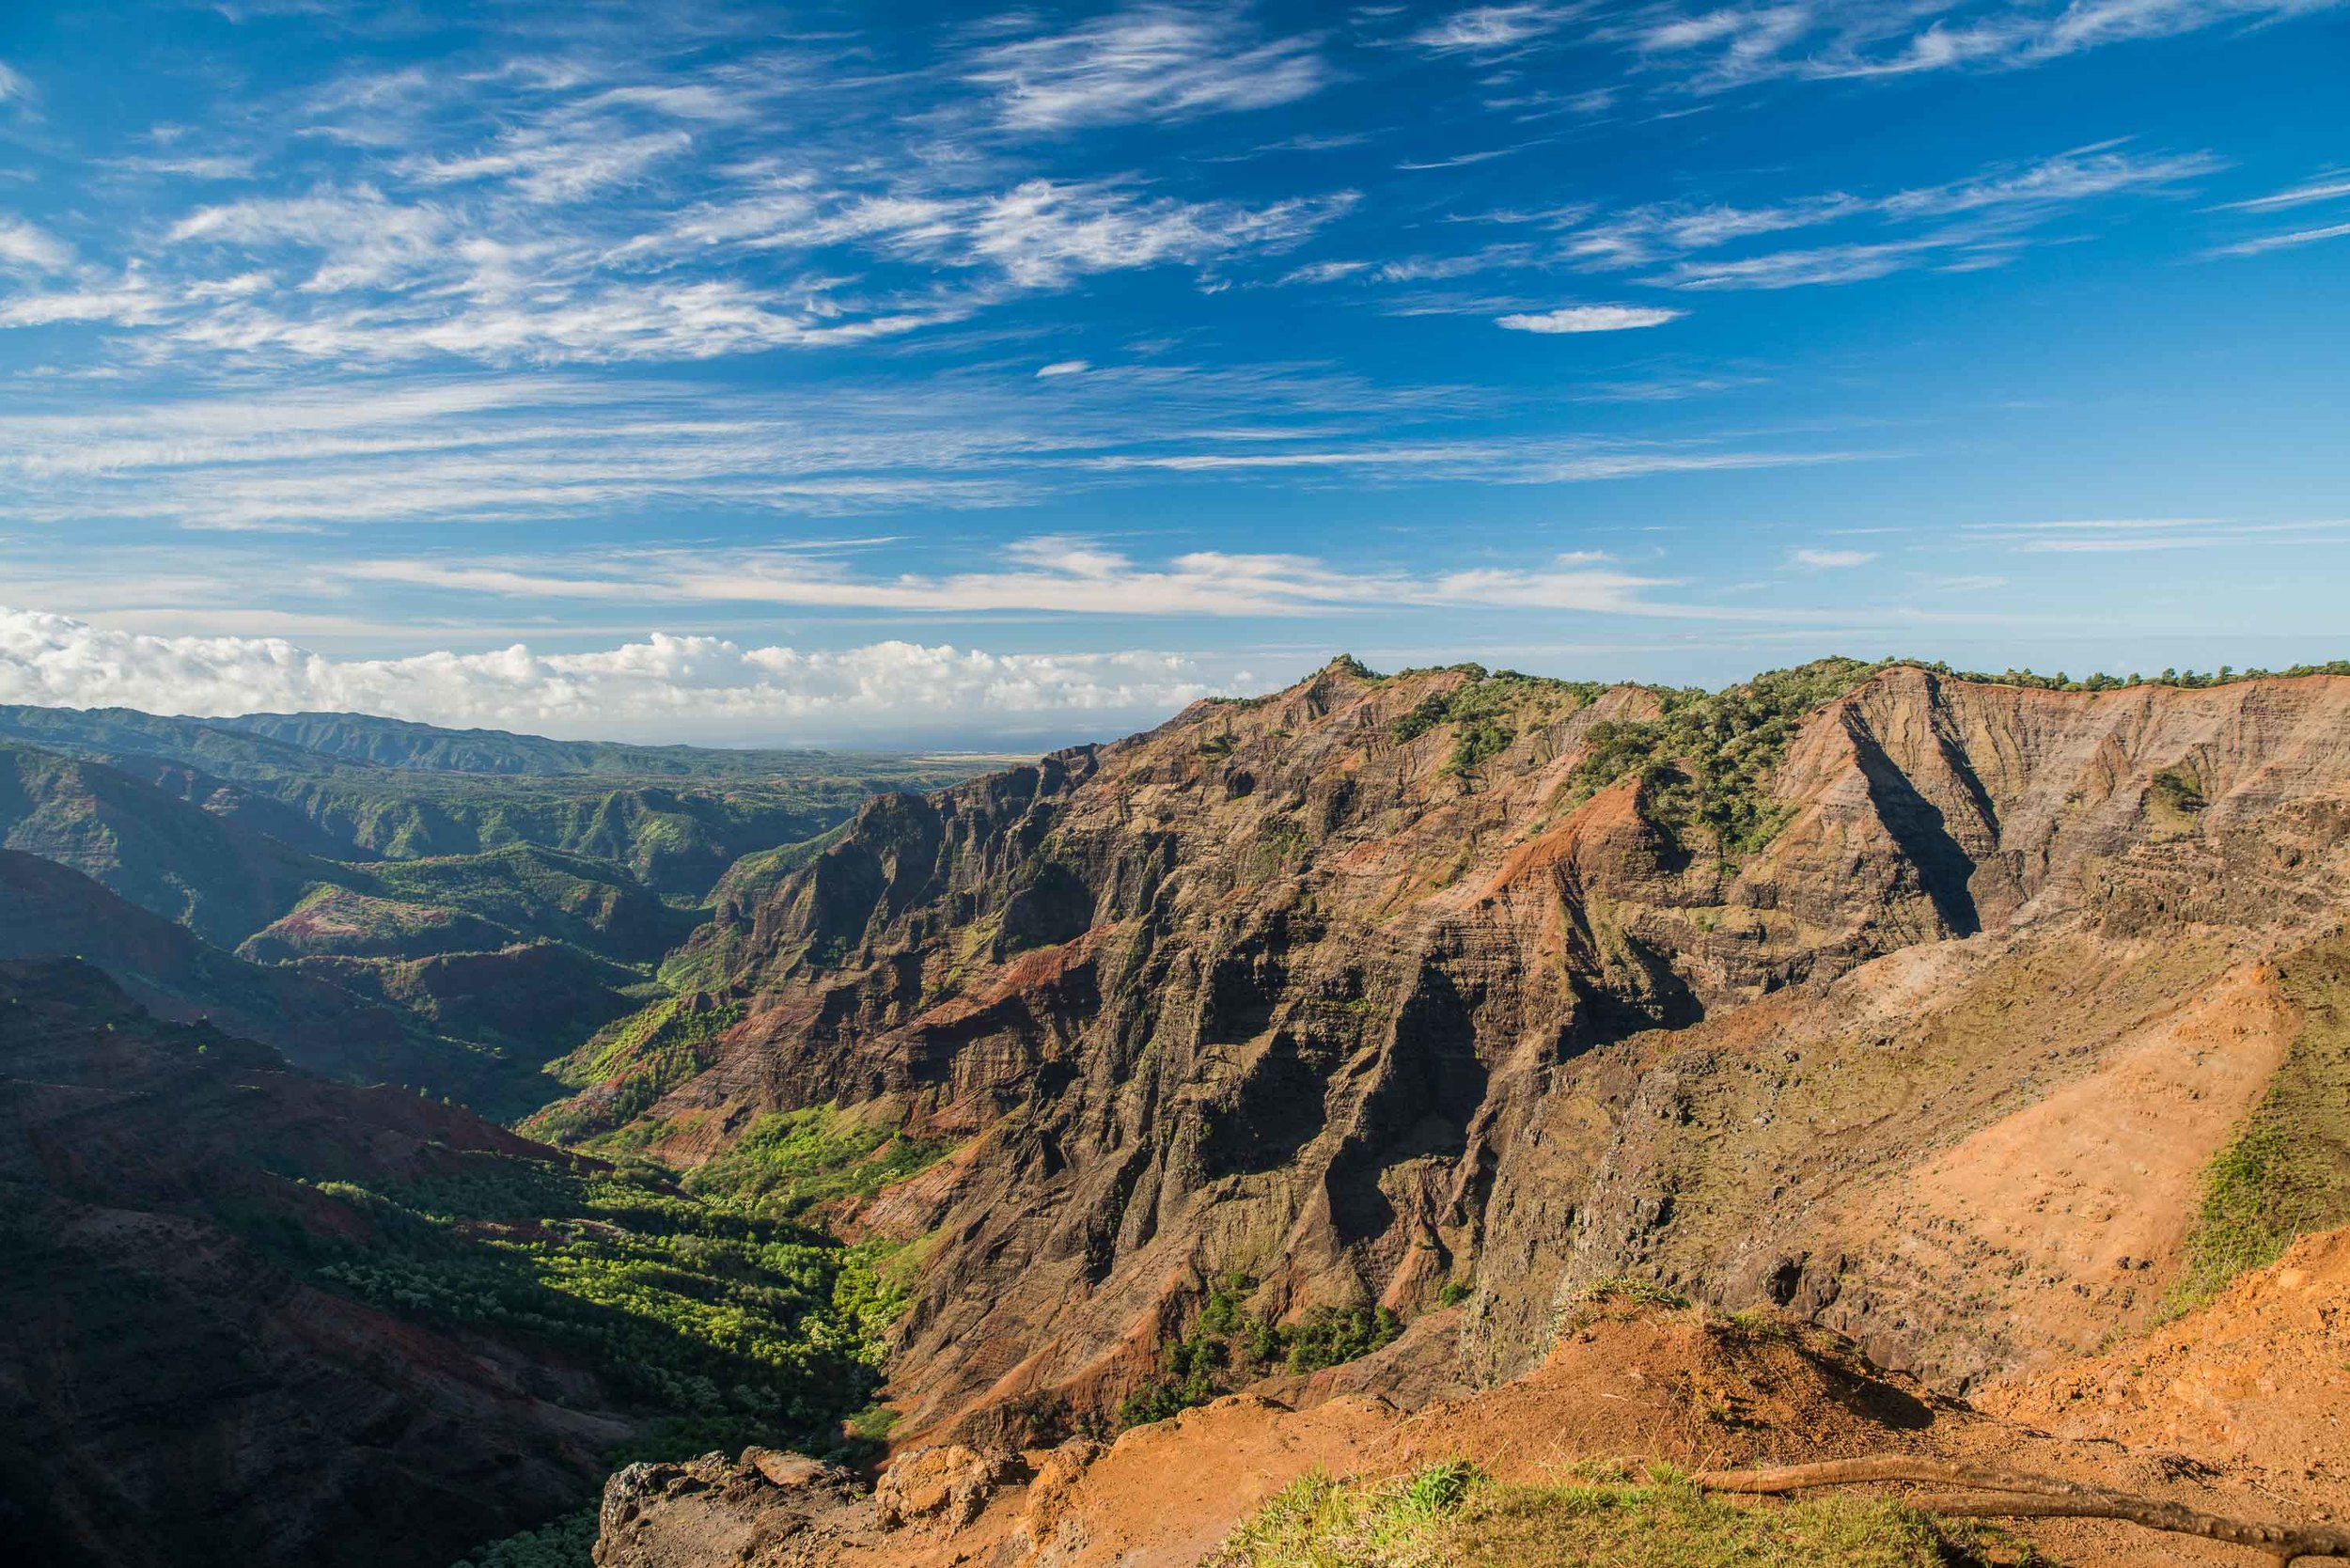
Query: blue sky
(908, 374)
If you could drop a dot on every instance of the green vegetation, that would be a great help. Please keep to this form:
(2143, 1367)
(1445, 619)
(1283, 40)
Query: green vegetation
(1229, 1346)
(791, 1161)
(568, 1543)
(1486, 709)
(637, 1059)
(2178, 791)
(2287, 1170)
(349, 787)
(2227, 675)
(1705, 763)
(548, 894)
(1625, 1293)
(730, 1326)
(1449, 1513)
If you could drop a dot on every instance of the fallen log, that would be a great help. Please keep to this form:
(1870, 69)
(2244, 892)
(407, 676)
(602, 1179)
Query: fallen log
(1988, 1492)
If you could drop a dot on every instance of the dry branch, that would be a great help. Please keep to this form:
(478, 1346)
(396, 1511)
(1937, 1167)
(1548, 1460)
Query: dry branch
(1991, 1493)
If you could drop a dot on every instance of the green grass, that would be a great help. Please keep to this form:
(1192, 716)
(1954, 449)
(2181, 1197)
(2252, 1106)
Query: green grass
(1449, 1515)
(791, 1161)
(2287, 1169)
(1227, 1347)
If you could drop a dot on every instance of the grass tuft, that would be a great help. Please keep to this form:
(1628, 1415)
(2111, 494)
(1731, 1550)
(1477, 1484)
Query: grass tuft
(1450, 1514)
(2287, 1170)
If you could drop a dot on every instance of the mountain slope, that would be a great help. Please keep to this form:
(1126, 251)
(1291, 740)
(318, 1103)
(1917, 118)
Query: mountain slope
(323, 742)
(215, 875)
(476, 904)
(1378, 984)
(47, 910)
(259, 1318)
(351, 786)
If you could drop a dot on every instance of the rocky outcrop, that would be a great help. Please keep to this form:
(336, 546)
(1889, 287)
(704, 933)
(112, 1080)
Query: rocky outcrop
(768, 1509)
(1382, 984)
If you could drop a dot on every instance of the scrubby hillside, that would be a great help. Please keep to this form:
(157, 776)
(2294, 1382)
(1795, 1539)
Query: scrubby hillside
(1919, 1004)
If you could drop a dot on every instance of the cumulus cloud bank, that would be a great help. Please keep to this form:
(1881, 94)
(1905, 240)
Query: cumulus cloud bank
(668, 688)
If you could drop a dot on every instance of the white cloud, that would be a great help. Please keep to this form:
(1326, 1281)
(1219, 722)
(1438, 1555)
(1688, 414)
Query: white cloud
(1978, 221)
(1832, 560)
(130, 302)
(1791, 268)
(1063, 367)
(1725, 47)
(2080, 175)
(363, 239)
(1053, 576)
(547, 168)
(11, 85)
(1157, 62)
(1590, 318)
(1041, 233)
(2132, 536)
(367, 450)
(2283, 242)
(2297, 196)
(1490, 27)
(664, 688)
(28, 246)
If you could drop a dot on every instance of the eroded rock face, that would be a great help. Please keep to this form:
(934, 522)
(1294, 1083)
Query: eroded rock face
(1271, 989)
(950, 1483)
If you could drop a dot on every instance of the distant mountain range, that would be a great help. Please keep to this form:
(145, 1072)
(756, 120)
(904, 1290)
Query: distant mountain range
(479, 901)
(322, 740)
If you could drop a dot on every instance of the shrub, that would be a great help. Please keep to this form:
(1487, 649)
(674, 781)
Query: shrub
(1227, 1346)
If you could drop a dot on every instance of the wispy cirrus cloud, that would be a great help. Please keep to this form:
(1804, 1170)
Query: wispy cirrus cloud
(1484, 29)
(1156, 62)
(1802, 268)
(2285, 241)
(353, 455)
(584, 209)
(2131, 536)
(1974, 220)
(1717, 48)
(2326, 188)
(1048, 575)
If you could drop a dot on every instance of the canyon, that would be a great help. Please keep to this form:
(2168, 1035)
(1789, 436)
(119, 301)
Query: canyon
(1917, 1005)
(1393, 1069)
